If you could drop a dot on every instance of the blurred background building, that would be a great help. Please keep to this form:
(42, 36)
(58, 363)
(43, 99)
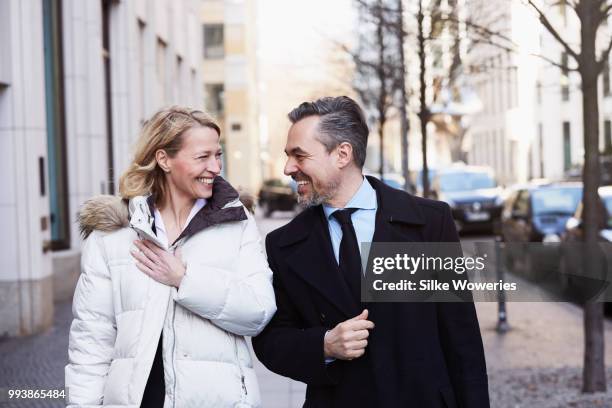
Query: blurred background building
(231, 85)
(531, 122)
(77, 79)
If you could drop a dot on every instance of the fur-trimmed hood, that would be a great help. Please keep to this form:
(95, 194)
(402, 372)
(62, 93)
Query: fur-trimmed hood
(109, 213)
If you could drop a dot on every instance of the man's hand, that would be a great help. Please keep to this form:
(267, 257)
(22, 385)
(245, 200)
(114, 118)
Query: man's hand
(159, 264)
(348, 339)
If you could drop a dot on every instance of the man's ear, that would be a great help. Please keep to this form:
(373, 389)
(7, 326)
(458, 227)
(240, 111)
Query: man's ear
(345, 154)
(162, 160)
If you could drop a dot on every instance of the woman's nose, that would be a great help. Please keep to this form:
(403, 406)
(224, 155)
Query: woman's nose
(214, 166)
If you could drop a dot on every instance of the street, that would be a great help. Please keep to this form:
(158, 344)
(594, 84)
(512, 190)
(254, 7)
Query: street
(536, 364)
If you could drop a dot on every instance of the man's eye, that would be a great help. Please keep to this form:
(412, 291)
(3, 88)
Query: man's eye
(202, 157)
(219, 154)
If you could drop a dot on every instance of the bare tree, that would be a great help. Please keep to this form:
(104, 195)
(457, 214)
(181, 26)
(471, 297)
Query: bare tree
(592, 14)
(424, 113)
(403, 97)
(376, 65)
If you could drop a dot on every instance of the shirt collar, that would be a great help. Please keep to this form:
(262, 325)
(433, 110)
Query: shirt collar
(197, 206)
(363, 199)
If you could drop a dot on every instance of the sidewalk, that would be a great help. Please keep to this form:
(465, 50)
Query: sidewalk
(538, 363)
(535, 365)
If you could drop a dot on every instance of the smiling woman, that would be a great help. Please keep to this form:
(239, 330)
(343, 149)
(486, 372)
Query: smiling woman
(164, 300)
(164, 135)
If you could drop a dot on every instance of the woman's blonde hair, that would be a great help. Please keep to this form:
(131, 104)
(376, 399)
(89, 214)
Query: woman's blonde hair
(163, 131)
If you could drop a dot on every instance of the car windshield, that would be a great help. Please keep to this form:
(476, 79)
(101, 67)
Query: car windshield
(465, 181)
(561, 200)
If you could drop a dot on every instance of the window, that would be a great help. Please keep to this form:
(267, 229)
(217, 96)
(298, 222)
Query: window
(213, 41)
(5, 54)
(563, 10)
(539, 92)
(140, 82)
(512, 87)
(607, 137)
(106, 52)
(564, 77)
(541, 148)
(214, 98)
(606, 79)
(56, 129)
(160, 66)
(178, 81)
(567, 146)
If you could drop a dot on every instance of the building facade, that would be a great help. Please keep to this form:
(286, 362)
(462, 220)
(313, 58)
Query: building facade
(531, 124)
(77, 80)
(229, 62)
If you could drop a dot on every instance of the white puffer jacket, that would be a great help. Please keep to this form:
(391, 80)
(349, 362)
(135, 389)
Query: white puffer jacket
(120, 312)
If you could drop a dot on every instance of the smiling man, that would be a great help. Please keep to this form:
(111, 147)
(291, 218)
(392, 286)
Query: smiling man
(388, 354)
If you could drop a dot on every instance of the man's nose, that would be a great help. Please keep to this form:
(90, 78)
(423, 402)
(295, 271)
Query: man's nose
(290, 167)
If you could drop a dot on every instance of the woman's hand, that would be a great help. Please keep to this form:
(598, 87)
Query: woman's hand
(161, 265)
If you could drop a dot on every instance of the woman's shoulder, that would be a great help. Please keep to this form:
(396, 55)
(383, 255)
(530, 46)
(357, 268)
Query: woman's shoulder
(105, 213)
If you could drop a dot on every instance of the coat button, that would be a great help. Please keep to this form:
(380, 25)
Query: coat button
(322, 317)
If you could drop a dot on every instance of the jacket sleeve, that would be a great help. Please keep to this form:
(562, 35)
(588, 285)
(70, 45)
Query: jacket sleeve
(239, 299)
(287, 346)
(461, 341)
(93, 329)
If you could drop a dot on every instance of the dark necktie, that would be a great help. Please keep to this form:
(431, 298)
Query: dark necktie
(349, 256)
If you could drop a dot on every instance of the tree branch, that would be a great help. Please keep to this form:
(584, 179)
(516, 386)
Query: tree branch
(547, 24)
(556, 64)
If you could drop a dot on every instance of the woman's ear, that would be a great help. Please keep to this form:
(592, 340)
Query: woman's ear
(162, 160)
(345, 154)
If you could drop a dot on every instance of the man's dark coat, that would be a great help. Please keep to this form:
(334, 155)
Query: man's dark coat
(421, 355)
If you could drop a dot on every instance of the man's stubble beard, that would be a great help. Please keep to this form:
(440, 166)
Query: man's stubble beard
(317, 198)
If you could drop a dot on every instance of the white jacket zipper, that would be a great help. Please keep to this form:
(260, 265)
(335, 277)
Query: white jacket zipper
(172, 249)
(173, 356)
(244, 388)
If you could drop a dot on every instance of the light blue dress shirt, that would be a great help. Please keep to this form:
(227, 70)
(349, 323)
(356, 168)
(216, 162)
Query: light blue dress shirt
(363, 219)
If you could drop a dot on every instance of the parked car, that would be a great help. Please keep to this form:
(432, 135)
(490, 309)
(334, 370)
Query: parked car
(578, 285)
(277, 195)
(473, 195)
(537, 213)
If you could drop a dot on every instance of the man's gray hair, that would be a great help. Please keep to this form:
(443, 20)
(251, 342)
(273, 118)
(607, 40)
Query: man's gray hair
(342, 120)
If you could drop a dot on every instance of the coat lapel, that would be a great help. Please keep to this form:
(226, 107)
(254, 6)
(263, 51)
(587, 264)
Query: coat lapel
(307, 250)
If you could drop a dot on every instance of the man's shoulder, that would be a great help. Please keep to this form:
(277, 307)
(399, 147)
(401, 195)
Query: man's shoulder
(299, 224)
(402, 201)
(435, 207)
